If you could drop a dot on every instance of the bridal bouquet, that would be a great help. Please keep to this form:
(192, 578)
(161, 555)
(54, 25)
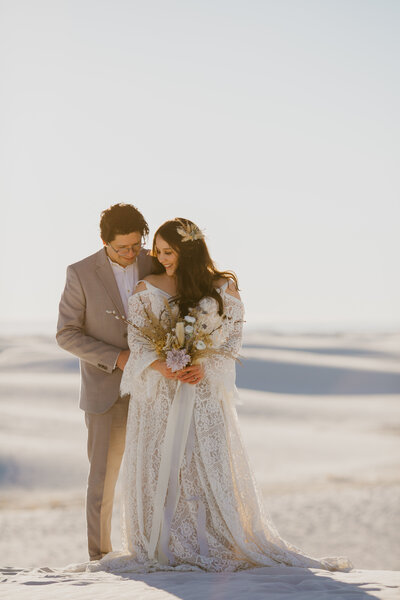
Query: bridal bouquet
(180, 341)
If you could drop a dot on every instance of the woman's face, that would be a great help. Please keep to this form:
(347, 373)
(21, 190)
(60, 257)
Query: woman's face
(166, 255)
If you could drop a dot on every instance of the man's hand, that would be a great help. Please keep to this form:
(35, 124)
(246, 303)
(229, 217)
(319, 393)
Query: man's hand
(161, 367)
(122, 359)
(192, 375)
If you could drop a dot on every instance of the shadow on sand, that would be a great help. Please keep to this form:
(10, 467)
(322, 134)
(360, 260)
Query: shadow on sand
(336, 351)
(272, 376)
(271, 582)
(292, 378)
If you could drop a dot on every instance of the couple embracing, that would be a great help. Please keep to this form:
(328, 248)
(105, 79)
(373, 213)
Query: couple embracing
(189, 496)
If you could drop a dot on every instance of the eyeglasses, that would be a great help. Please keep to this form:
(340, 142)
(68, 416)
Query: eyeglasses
(125, 251)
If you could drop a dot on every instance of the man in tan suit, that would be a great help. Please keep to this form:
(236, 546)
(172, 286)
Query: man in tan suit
(103, 281)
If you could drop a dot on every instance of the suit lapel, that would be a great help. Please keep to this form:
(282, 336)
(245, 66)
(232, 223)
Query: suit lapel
(105, 273)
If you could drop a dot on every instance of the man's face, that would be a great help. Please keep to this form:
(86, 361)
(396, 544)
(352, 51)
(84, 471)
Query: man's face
(124, 248)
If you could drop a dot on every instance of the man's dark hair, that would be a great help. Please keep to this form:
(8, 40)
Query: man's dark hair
(121, 219)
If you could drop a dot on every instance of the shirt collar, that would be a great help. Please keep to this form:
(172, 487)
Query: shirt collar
(120, 267)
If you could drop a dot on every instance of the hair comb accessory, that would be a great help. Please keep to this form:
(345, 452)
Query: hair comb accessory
(189, 232)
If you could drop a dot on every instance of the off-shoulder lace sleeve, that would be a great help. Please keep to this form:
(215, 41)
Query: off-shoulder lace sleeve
(220, 368)
(142, 354)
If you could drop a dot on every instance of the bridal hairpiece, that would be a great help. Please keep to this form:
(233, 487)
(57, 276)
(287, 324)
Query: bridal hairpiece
(189, 232)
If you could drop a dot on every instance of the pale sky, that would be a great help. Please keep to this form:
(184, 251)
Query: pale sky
(271, 124)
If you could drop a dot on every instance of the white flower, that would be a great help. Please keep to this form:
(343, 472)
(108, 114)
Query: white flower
(200, 345)
(189, 329)
(190, 319)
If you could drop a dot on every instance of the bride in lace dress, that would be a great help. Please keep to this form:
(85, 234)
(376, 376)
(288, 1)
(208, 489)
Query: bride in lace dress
(190, 500)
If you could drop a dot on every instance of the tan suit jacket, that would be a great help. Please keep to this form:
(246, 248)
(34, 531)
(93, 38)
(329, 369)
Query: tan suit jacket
(85, 329)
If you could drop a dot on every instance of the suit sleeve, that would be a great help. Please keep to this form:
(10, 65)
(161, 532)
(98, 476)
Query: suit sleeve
(70, 328)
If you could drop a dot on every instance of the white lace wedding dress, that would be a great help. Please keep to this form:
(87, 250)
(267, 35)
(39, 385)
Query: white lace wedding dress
(190, 500)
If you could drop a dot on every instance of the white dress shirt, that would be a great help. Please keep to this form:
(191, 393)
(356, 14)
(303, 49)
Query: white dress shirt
(126, 278)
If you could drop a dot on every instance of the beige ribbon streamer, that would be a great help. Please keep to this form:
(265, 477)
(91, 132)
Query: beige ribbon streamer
(173, 450)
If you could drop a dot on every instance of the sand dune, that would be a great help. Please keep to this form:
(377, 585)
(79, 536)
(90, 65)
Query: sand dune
(320, 416)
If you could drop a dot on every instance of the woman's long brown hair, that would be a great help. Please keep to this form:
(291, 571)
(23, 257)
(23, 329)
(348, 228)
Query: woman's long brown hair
(196, 273)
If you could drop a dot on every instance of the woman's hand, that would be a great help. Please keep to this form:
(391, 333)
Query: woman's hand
(161, 367)
(193, 374)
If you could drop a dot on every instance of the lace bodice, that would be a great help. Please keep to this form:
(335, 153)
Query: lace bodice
(228, 336)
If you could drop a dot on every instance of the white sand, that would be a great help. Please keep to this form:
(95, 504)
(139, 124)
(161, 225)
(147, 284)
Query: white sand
(277, 583)
(321, 425)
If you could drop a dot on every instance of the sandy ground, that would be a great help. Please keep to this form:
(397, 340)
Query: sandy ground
(321, 421)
